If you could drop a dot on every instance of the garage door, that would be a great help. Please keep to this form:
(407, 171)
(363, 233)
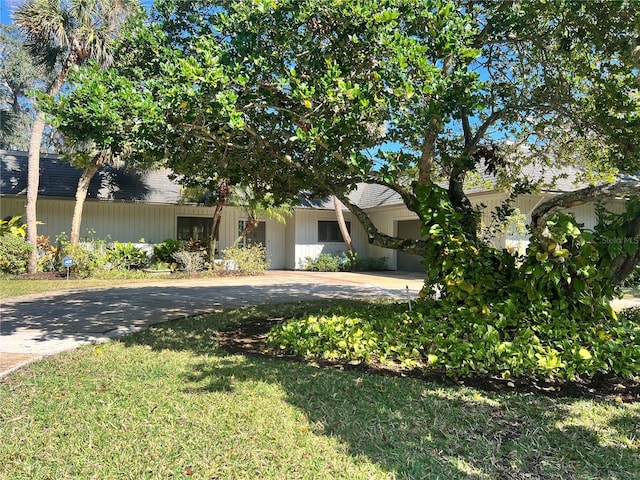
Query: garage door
(406, 261)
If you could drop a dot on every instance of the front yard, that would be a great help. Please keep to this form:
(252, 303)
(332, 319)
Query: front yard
(169, 402)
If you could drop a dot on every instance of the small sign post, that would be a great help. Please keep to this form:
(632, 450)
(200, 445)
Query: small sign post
(67, 262)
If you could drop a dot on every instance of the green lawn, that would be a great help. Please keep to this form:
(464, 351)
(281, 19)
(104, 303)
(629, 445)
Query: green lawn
(168, 403)
(14, 288)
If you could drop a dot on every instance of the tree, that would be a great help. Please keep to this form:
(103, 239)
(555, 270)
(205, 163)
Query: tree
(404, 93)
(63, 34)
(18, 74)
(342, 225)
(104, 118)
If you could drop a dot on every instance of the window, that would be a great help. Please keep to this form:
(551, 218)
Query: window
(257, 235)
(194, 228)
(329, 231)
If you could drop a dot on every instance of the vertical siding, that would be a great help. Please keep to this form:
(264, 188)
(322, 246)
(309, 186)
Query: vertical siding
(290, 242)
(386, 221)
(306, 235)
(287, 245)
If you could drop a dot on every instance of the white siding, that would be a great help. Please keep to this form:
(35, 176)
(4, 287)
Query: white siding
(306, 236)
(138, 222)
(386, 221)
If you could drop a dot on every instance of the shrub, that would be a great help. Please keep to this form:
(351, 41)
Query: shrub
(355, 263)
(48, 255)
(190, 261)
(437, 335)
(250, 260)
(86, 260)
(126, 256)
(13, 226)
(14, 254)
(164, 251)
(325, 262)
(348, 262)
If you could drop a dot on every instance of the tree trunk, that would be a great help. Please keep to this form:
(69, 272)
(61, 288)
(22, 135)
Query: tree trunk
(375, 237)
(33, 183)
(249, 226)
(624, 265)
(81, 196)
(33, 176)
(461, 203)
(223, 193)
(343, 225)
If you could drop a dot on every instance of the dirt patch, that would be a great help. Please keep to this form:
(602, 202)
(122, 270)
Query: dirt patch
(42, 276)
(9, 361)
(250, 339)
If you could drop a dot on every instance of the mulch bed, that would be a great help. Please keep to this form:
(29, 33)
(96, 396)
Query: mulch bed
(249, 339)
(42, 276)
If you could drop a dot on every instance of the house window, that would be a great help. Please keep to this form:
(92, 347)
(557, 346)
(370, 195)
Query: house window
(329, 231)
(194, 228)
(257, 235)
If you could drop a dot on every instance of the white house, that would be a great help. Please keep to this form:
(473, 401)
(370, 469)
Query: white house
(148, 208)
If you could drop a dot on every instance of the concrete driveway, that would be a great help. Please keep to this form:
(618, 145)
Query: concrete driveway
(35, 326)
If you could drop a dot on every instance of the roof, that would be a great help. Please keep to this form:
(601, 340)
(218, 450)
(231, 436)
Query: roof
(60, 180)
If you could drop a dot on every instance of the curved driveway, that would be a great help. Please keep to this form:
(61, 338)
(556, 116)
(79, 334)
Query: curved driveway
(33, 326)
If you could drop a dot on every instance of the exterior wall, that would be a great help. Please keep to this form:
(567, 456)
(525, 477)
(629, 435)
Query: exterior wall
(139, 223)
(386, 221)
(306, 236)
(287, 245)
(290, 242)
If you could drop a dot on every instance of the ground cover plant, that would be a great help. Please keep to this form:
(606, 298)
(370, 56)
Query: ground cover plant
(170, 402)
(462, 342)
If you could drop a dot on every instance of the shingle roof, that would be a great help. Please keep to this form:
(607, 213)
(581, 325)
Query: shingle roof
(58, 179)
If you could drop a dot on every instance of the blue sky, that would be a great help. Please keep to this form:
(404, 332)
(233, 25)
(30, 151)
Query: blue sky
(6, 6)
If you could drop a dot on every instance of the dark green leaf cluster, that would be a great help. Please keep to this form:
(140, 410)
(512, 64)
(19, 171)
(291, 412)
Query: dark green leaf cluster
(164, 251)
(14, 253)
(126, 256)
(438, 336)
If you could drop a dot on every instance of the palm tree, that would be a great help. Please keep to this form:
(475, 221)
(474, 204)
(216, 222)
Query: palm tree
(63, 34)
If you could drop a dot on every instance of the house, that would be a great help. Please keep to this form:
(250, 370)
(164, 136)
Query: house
(148, 208)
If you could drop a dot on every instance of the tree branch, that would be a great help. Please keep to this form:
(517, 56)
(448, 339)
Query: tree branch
(542, 212)
(375, 237)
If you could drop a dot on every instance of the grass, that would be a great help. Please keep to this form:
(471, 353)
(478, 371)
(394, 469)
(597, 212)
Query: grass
(14, 287)
(168, 403)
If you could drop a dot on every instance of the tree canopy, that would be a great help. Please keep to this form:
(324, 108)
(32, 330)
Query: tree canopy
(289, 96)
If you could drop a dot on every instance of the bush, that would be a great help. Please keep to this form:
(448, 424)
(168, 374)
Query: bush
(190, 262)
(347, 262)
(438, 335)
(126, 256)
(249, 260)
(355, 263)
(325, 262)
(13, 226)
(164, 252)
(86, 260)
(14, 254)
(48, 255)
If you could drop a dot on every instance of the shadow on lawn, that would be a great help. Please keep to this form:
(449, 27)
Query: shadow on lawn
(417, 429)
